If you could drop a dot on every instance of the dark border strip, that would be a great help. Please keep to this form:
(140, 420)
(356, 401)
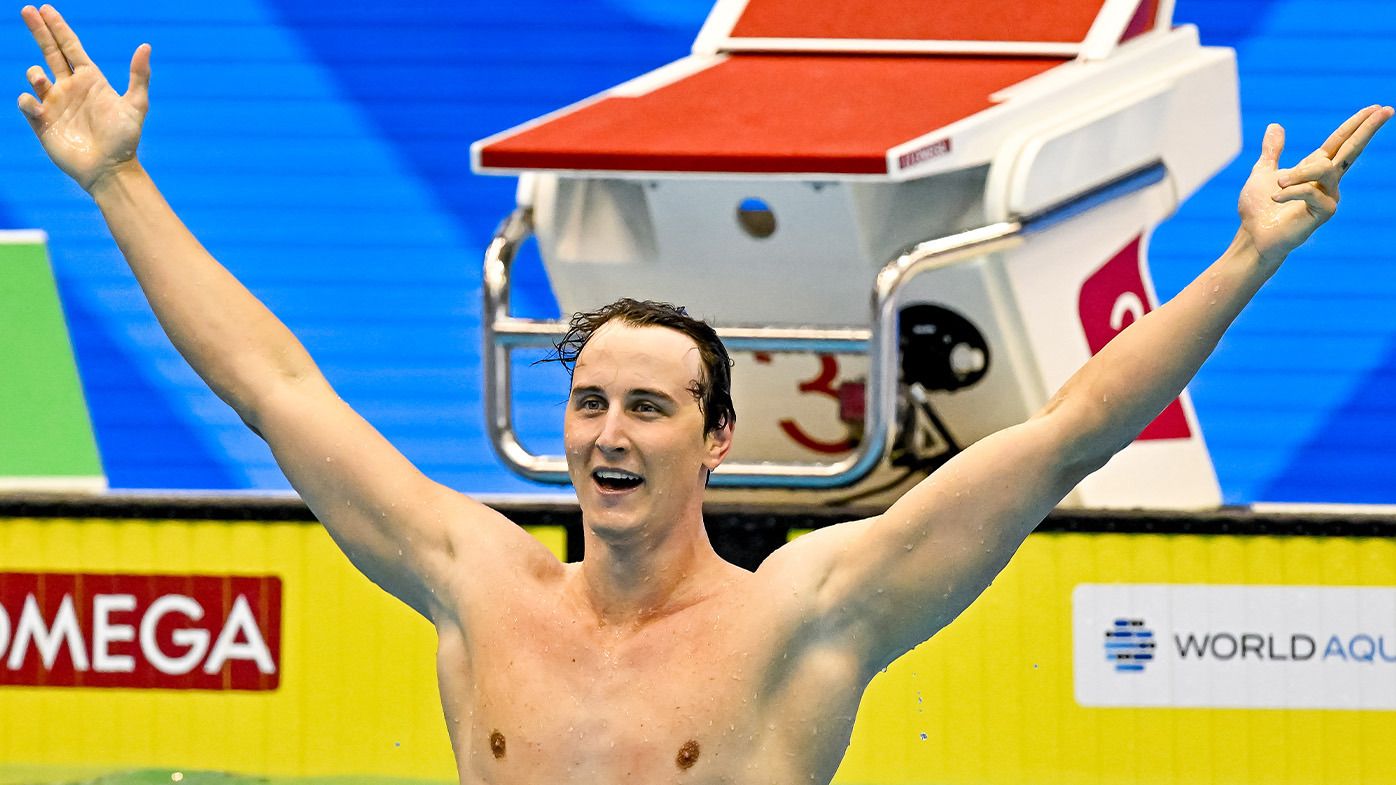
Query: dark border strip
(751, 519)
(743, 534)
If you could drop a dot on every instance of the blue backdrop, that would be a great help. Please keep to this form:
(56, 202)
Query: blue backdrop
(320, 151)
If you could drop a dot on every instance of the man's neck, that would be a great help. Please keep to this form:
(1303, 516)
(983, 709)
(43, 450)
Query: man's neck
(628, 584)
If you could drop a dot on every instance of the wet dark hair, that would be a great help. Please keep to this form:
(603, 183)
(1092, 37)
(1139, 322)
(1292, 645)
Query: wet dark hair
(713, 387)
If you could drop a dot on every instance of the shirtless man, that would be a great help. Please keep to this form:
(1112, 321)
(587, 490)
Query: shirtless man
(652, 660)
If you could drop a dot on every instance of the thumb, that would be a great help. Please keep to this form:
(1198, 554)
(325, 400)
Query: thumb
(138, 90)
(1271, 147)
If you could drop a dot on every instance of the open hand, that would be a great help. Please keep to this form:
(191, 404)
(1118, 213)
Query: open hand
(1280, 208)
(85, 127)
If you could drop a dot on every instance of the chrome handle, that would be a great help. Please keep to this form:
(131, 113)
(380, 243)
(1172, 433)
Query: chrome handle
(503, 332)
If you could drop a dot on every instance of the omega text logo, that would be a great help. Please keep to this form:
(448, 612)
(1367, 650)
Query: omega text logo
(140, 631)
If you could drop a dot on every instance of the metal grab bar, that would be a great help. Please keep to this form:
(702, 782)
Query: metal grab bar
(503, 332)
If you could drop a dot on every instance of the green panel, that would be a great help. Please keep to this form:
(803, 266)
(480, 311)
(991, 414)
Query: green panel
(45, 431)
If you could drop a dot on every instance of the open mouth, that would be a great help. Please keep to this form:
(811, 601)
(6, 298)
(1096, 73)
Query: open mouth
(616, 480)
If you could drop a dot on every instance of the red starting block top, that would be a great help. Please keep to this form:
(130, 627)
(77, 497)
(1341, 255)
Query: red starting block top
(769, 113)
(1061, 21)
(819, 86)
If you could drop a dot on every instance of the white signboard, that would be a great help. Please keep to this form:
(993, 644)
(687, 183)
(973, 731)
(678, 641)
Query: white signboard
(1280, 647)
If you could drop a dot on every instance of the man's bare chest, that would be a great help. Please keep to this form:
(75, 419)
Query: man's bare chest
(551, 696)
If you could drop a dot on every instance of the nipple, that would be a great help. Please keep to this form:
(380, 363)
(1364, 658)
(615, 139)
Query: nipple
(688, 754)
(497, 744)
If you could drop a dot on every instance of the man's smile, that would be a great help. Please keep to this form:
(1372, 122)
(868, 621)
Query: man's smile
(616, 481)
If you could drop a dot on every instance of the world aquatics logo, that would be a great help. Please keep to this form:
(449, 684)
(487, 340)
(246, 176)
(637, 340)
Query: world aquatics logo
(1129, 645)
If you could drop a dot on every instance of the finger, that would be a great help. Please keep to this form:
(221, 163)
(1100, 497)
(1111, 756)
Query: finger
(1320, 203)
(44, 38)
(1353, 147)
(33, 112)
(138, 90)
(1271, 147)
(38, 80)
(1316, 168)
(1336, 139)
(67, 40)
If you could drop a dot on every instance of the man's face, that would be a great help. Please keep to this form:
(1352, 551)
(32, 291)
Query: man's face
(636, 450)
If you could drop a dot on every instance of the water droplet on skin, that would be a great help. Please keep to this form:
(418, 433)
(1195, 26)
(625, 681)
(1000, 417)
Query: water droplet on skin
(1216, 289)
(909, 546)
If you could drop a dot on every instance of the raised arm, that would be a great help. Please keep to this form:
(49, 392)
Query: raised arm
(405, 532)
(898, 578)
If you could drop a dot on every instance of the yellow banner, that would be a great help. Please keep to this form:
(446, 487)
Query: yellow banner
(357, 694)
(989, 701)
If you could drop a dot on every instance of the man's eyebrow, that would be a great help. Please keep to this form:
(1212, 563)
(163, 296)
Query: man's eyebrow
(643, 392)
(651, 393)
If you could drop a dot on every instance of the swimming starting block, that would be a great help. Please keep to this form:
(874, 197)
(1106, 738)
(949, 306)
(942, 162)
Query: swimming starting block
(911, 222)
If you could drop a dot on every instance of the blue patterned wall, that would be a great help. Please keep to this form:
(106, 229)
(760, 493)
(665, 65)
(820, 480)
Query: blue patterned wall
(320, 151)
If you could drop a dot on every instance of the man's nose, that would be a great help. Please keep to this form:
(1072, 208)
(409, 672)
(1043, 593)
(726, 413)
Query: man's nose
(612, 440)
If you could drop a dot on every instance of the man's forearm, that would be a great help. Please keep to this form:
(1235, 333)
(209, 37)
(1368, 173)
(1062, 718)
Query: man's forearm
(232, 341)
(1119, 391)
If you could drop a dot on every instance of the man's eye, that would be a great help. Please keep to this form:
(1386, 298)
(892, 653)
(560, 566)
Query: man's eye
(646, 408)
(592, 404)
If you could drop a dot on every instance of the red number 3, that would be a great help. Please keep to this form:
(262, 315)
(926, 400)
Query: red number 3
(822, 384)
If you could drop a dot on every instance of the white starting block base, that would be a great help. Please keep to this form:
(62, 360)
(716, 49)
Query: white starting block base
(647, 191)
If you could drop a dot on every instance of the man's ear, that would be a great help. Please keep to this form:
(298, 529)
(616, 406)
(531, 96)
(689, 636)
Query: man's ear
(718, 443)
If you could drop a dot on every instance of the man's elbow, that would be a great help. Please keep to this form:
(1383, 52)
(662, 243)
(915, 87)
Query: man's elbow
(270, 396)
(1083, 439)
(252, 427)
